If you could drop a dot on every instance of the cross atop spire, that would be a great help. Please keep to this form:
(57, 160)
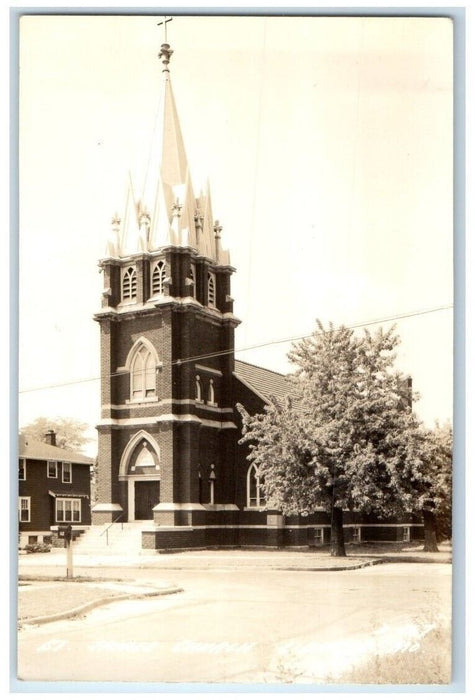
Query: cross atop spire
(165, 50)
(164, 22)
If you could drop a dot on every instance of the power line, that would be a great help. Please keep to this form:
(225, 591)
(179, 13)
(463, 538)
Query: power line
(221, 353)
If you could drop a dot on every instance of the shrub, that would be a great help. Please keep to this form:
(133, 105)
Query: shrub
(38, 547)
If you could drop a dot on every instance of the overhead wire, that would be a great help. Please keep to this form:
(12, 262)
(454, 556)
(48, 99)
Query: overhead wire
(221, 353)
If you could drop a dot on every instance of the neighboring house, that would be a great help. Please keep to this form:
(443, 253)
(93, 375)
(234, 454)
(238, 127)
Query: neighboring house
(169, 452)
(54, 488)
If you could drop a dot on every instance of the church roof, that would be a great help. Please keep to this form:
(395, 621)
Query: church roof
(35, 449)
(165, 211)
(264, 382)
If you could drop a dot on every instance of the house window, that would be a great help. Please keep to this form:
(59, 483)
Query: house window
(22, 469)
(158, 278)
(68, 510)
(67, 473)
(356, 534)
(129, 284)
(32, 539)
(406, 534)
(211, 289)
(52, 470)
(142, 373)
(255, 489)
(24, 509)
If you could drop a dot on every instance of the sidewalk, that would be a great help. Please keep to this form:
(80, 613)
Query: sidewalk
(46, 601)
(45, 595)
(306, 560)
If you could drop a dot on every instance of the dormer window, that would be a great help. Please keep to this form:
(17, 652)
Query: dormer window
(129, 284)
(158, 278)
(211, 289)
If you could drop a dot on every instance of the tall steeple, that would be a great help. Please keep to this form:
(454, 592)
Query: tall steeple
(165, 211)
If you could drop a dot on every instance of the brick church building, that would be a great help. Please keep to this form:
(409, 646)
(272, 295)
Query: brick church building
(169, 456)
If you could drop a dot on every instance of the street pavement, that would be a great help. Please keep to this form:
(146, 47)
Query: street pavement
(238, 624)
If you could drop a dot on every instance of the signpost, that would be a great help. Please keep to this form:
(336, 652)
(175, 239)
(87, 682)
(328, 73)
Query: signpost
(67, 533)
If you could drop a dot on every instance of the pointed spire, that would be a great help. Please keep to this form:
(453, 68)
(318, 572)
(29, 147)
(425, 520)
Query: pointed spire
(167, 212)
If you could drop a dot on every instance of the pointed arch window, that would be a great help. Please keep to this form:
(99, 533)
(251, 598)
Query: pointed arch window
(192, 278)
(198, 392)
(211, 400)
(255, 489)
(142, 374)
(158, 278)
(129, 284)
(211, 289)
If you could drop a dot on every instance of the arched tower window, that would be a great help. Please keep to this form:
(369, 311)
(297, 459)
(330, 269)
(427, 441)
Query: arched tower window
(192, 278)
(211, 289)
(211, 392)
(129, 284)
(142, 374)
(255, 489)
(198, 393)
(158, 278)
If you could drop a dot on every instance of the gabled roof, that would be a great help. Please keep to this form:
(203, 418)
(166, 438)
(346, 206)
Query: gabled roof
(263, 382)
(35, 449)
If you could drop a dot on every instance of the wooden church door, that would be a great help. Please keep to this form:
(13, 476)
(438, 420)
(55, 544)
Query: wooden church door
(147, 495)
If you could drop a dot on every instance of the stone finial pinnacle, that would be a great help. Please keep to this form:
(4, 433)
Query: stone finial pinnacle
(217, 229)
(165, 54)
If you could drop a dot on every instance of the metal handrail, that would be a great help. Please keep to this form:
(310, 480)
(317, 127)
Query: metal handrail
(106, 531)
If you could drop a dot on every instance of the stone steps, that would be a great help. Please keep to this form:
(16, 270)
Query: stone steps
(120, 538)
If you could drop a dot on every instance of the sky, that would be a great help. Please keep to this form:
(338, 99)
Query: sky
(328, 146)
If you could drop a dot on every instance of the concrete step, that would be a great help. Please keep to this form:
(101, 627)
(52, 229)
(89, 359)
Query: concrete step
(118, 538)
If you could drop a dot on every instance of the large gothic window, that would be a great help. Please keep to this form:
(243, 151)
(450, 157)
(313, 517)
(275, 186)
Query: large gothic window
(129, 284)
(158, 278)
(142, 374)
(255, 489)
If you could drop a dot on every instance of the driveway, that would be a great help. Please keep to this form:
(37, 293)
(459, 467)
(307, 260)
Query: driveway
(243, 626)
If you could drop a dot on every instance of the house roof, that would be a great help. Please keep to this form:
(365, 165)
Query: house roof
(35, 449)
(264, 382)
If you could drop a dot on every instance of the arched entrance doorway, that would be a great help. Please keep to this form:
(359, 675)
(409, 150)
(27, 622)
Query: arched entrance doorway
(140, 466)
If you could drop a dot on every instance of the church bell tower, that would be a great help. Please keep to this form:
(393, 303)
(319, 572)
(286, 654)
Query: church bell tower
(166, 436)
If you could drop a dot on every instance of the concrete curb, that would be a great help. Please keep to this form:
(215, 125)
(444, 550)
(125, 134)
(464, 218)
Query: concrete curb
(74, 612)
(348, 567)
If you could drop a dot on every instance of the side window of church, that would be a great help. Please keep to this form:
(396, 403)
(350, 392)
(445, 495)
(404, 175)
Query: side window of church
(143, 374)
(129, 284)
(211, 289)
(255, 490)
(158, 278)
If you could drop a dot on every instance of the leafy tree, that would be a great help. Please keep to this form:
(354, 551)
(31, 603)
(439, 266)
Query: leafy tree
(70, 433)
(424, 482)
(340, 444)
